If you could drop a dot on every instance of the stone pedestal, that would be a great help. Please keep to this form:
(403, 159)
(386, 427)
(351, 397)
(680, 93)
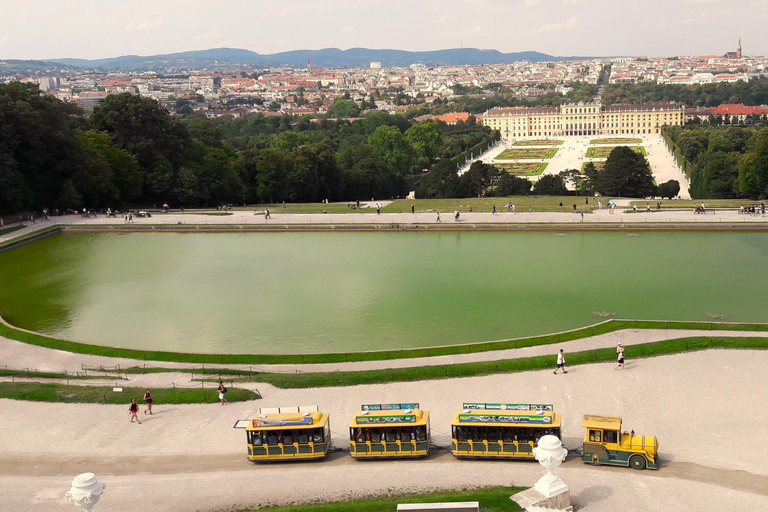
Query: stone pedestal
(85, 491)
(550, 492)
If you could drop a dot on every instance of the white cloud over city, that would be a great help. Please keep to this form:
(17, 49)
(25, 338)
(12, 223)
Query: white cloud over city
(55, 29)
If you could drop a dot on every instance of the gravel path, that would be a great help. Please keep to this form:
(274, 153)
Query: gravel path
(188, 457)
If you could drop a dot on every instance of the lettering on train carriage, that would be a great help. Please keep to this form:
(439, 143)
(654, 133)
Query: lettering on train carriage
(504, 418)
(282, 422)
(508, 407)
(378, 420)
(388, 407)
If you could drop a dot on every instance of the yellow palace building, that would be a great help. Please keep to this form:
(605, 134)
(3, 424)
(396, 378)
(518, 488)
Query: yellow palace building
(583, 119)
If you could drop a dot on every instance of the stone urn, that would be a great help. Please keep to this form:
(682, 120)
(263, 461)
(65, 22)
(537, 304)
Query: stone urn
(85, 491)
(550, 453)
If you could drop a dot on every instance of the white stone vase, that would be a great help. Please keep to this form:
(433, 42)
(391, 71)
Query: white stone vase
(86, 491)
(550, 453)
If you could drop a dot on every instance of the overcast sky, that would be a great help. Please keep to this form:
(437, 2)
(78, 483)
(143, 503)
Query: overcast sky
(40, 29)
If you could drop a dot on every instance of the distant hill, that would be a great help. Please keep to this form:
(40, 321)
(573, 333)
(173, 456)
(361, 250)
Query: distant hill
(328, 57)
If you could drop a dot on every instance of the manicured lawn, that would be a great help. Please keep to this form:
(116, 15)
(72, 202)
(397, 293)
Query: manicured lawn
(538, 142)
(617, 141)
(538, 203)
(604, 151)
(524, 168)
(527, 153)
(5, 231)
(40, 392)
(492, 499)
(277, 208)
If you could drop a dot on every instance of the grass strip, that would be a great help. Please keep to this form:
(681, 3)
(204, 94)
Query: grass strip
(31, 234)
(492, 499)
(5, 231)
(418, 373)
(46, 392)
(34, 374)
(32, 338)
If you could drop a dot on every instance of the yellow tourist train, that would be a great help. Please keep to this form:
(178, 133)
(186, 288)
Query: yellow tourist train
(605, 443)
(287, 433)
(389, 431)
(504, 431)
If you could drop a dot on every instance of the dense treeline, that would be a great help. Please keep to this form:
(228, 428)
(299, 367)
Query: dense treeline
(728, 161)
(754, 92)
(131, 151)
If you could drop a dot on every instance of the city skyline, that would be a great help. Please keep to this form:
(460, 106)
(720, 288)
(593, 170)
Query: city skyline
(83, 29)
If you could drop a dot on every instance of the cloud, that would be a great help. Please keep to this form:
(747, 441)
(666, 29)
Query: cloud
(5, 38)
(531, 3)
(147, 25)
(661, 26)
(703, 2)
(443, 18)
(556, 27)
(348, 29)
(574, 2)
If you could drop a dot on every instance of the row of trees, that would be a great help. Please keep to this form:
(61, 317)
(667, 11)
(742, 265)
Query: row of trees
(132, 151)
(728, 162)
(754, 92)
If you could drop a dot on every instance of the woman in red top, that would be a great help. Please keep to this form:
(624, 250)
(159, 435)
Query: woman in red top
(134, 410)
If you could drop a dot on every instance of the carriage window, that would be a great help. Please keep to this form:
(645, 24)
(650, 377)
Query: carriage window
(594, 435)
(610, 436)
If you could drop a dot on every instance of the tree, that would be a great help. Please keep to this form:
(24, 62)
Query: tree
(753, 167)
(140, 126)
(392, 148)
(550, 185)
(669, 189)
(479, 178)
(426, 138)
(344, 108)
(38, 147)
(510, 185)
(107, 176)
(626, 173)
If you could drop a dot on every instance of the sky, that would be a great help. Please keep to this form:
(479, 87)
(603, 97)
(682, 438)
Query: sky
(90, 29)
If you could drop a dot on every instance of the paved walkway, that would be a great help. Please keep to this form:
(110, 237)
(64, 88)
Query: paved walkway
(522, 216)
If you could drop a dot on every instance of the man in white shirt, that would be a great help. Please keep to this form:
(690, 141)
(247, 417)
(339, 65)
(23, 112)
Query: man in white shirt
(560, 362)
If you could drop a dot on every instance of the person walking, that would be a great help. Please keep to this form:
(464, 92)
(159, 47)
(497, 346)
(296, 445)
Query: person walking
(148, 402)
(494, 210)
(560, 362)
(134, 410)
(438, 217)
(619, 358)
(413, 209)
(266, 214)
(222, 392)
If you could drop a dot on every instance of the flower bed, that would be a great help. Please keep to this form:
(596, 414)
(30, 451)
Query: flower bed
(524, 168)
(616, 141)
(538, 142)
(527, 153)
(604, 151)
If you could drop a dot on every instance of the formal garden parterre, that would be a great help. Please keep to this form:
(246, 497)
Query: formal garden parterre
(604, 151)
(616, 141)
(527, 153)
(538, 142)
(524, 168)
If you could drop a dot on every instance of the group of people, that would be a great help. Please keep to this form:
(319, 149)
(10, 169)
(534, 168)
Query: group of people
(133, 408)
(619, 359)
(752, 210)
(287, 436)
(389, 435)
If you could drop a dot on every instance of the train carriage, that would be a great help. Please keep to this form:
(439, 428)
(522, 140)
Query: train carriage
(390, 431)
(287, 433)
(503, 431)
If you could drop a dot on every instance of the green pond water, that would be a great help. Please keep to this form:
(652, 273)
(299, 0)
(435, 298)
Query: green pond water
(324, 292)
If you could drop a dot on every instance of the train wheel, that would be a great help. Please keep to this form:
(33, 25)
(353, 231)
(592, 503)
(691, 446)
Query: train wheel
(637, 462)
(595, 459)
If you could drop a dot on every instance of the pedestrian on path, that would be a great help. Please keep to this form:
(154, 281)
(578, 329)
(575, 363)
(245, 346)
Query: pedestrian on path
(134, 410)
(266, 214)
(494, 210)
(148, 402)
(582, 215)
(438, 217)
(560, 362)
(413, 209)
(222, 392)
(620, 358)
